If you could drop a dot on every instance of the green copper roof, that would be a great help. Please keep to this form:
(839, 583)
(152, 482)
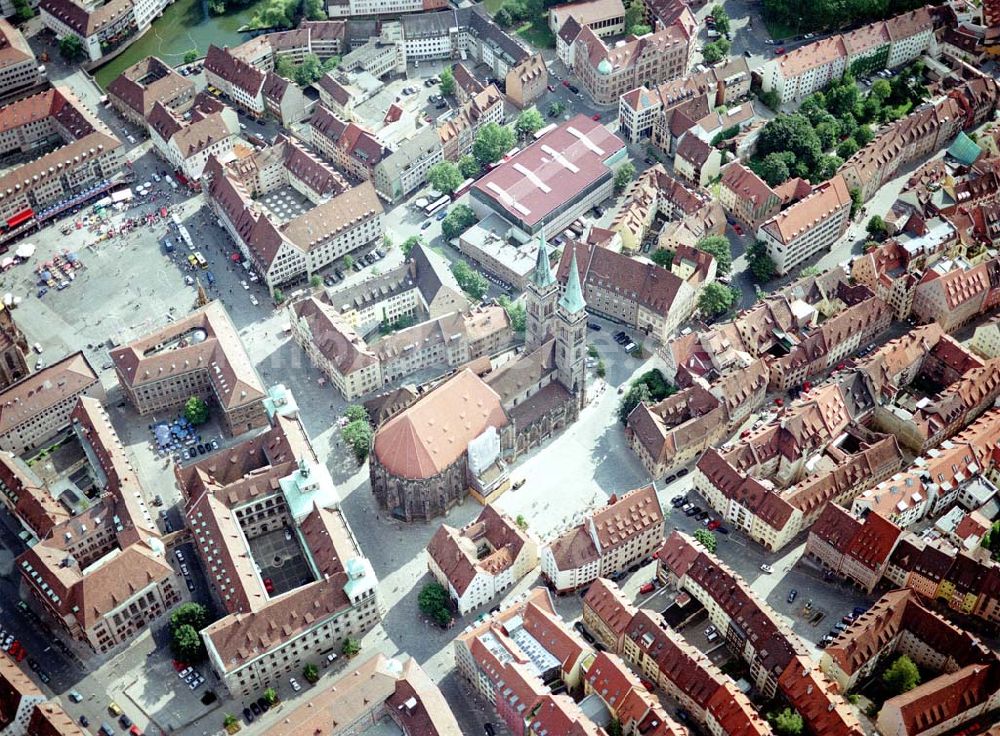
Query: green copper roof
(604, 67)
(965, 149)
(572, 300)
(542, 275)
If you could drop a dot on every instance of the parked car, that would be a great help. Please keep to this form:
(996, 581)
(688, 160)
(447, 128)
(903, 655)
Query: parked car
(766, 568)
(647, 588)
(714, 524)
(294, 683)
(247, 715)
(792, 595)
(594, 326)
(269, 585)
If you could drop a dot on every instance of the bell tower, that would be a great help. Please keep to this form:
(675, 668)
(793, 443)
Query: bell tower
(571, 335)
(540, 299)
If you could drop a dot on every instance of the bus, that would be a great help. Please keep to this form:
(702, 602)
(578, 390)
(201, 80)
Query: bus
(200, 259)
(185, 237)
(462, 188)
(436, 205)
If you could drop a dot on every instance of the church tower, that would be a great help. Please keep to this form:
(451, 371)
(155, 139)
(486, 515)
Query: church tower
(571, 335)
(540, 300)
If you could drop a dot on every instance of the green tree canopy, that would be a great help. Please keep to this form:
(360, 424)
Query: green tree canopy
(445, 177)
(528, 123)
(637, 394)
(71, 48)
(358, 436)
(472, 283)
(434, 603)
(311, 673)
(761, 265)
(194, 615)
(793, 134)
(270, 696)
(356, 413)
(409, 244)
(309, 70)
(876, 227)
(447, 82)
(351, 647)
(722, 24)
(706, 539)
(847, 148)
(516, 311)
(718, 247)
(634, 15)
(715, 51)
(715, 299)
(503, 18)
(492, 142)
(662, 257)
(901, 676)
(314, 10)
(773, 169)
(190, 56)
(787, 722)
(186, 645)
(624, 176)
(468, 167)
(196, 411)
(459, 219)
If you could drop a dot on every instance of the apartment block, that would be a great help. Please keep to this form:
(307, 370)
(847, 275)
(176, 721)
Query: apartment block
(38, 407)
(628, 529)
(808, 227)
(481, 560)
(347, 145)
(271, 492)
(186, 142)
(101, 29)
(200, 355)
(458, 130)
(25, 710)
(19, 69)
(134, 92)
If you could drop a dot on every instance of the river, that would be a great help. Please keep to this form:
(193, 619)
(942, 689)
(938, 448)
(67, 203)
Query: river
(185, 25)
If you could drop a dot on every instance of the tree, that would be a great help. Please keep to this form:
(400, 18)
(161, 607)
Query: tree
(991, 540)
(847, 148)
(229, 720)
(194, 615)
(445, 177)
(771, 99)
(468, 167)
(794, 134)
(877, 228)
(786, 723)
(308, 71)
(492, 142)
(901, 676)
(517, 313)
(351, 647)
(773, 169)
(447, 82)
(556, 109)
(615, 728)
(502, 18)
(459, 219)
(637, 394)
(715, 299)
(315, 280)
(358, 435)
(715, 51)
(601, 369)
(311, 673)
(284, 67)
(718, 247)
(186, 644)
(634, 15)
(356, 413)
(761, 265)
(706, 538)
(528, 123)
(313, 10)
(196, 411)
(624, 176)
(71, 48)
(331, 63)
(856, 201)
(472, 283)
(279, 295)
(23, 9)
(348, 261)
(270, 696)
(434, 603)
(721, 19)
(409, 244)
(521, 522)
(190, 56)
(863, 135)
(662, 257)
(809, 271)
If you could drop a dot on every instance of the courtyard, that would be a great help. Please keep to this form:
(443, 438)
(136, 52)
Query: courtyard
(281, 560)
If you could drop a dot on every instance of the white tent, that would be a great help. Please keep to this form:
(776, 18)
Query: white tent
(25, 250)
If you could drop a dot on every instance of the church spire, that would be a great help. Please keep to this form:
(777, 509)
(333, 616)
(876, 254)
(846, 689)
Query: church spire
(542, 275)
(572, 299)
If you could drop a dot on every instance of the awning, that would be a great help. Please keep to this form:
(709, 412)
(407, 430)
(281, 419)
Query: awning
(22, 216)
